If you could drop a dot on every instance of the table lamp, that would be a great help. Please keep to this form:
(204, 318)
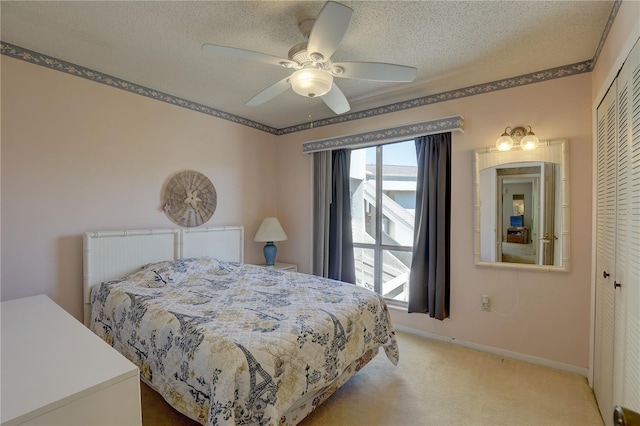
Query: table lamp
(270, 231)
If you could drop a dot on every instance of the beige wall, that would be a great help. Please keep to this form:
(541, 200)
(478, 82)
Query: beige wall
(81, 156)
(548, 314)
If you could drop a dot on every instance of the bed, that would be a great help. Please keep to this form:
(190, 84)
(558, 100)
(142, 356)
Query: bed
(222, 341)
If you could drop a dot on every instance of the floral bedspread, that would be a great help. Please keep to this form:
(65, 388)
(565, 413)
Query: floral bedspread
(229, 343)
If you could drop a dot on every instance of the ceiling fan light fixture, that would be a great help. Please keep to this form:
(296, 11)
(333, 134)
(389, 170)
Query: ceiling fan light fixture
(311, 82)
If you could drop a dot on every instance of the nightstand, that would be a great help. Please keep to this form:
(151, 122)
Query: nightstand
(518, 234)
(284, 266)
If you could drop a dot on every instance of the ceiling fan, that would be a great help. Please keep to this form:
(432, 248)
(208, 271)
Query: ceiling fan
(311, 60)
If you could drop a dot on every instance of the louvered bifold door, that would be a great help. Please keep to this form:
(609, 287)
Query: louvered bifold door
(619, 276)
(629, 291)
(605, 254)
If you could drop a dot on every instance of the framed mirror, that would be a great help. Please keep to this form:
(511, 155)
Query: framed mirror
(521, 208)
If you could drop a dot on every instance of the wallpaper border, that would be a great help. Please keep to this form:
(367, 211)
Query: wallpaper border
(605, 32)
(405, 132)
(36, 58)
(479, 89)
(41, 59)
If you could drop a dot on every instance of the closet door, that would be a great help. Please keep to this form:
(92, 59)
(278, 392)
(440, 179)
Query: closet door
(605, 253)
(622, 209)
(617, 317)
(628, 294)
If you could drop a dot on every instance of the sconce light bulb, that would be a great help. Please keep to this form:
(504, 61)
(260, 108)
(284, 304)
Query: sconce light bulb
(529, 142)
(504, 142)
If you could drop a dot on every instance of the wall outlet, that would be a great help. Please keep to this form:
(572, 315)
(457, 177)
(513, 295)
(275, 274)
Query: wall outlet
(486, 303)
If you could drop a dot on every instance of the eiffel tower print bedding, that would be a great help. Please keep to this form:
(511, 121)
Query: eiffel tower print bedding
(229, 343)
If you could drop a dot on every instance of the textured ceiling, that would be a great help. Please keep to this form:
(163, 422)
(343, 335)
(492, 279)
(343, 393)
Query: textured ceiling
(454, 44)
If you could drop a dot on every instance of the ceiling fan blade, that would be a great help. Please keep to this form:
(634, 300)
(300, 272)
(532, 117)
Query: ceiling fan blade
(336, 100)
(248, 54)
(270, 92)
(329, 29)
(375, 71)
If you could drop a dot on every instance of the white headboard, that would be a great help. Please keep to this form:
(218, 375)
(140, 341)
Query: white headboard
(111, 255)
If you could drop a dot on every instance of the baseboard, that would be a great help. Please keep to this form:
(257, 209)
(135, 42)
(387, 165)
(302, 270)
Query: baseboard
(581, 371)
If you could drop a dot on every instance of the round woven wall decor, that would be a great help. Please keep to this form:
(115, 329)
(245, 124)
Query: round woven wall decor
(190, 198)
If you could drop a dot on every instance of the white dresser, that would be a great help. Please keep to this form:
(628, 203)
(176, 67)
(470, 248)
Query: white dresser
(55, 371)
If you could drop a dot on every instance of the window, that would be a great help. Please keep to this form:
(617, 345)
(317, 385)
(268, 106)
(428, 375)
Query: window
(383, 197)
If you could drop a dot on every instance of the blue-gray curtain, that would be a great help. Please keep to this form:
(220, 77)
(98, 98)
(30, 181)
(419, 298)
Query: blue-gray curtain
(429, 282)
(333, 247)
(322, 176)
(341, 262)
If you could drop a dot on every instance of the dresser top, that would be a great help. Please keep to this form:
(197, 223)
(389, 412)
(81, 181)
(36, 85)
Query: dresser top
(50, 359)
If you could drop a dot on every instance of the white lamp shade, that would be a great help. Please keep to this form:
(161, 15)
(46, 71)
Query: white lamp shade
(270, 230)
(311, 82)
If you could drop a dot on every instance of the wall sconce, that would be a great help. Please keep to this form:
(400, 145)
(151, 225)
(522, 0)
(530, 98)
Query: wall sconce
(527, 139)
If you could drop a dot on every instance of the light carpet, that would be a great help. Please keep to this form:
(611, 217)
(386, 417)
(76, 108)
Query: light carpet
(441, 384)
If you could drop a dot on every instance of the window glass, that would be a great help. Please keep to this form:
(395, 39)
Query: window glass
(363, 195)
(364, 267)
(399, 173)
(383, 192)
(396, 266)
